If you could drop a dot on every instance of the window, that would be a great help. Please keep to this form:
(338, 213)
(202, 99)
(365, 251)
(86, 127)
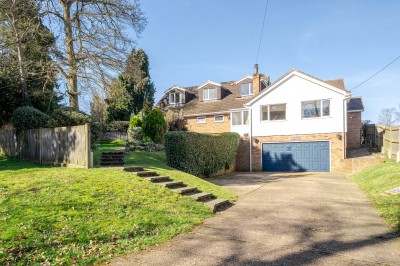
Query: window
(273, 112)
(318, 108)
(240, 118)
(174, 98)
(246, 89)
(209, 94)
(201, 120)
(219, 118)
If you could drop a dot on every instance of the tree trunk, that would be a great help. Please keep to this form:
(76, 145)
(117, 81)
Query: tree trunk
(72, 64)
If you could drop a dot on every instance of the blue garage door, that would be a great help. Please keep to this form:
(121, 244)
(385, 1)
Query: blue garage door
(296, 156)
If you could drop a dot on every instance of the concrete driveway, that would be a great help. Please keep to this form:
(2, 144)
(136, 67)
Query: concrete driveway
(284, 219)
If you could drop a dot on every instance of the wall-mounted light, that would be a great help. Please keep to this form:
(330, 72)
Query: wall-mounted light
(256, 141)
(339, 136)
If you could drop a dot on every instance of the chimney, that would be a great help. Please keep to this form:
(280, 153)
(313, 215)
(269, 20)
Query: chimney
(256, 81)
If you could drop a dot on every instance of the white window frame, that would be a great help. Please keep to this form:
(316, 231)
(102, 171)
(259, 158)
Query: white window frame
(215, 118)
(250, 89)
(321, 105)
(208, 94)
(269, 114)
(242, 116)
(201, 118)
(174, 96)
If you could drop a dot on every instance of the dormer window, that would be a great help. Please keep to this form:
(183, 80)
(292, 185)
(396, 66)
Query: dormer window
(246, 89)
(174, 98)
(209, 94)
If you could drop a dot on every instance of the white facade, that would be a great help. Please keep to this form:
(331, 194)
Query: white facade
(292, 90)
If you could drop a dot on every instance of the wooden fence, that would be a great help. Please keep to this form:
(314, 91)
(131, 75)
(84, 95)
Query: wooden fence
(68, 146)
(385, 139)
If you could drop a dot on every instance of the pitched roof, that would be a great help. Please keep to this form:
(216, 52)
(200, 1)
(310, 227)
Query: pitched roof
(229, 101)
(338, 83)
(355, 104)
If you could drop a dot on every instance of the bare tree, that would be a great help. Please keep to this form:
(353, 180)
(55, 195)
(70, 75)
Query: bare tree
(93, 38)
(387, 117)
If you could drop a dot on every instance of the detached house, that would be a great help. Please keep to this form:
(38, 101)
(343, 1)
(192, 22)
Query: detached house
(297, 123)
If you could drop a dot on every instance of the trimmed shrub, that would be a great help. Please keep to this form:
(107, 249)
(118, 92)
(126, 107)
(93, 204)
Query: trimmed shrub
(121, 126)
(67, 116)
(27, 117)
(201, 154)
(135, 133)
(154, 126)
(136, 121)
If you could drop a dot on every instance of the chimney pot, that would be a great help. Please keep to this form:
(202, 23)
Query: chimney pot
(256, 69)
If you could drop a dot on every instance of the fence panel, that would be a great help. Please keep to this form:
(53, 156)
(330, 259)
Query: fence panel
(385, 139)
(8, 145)
(60, 146)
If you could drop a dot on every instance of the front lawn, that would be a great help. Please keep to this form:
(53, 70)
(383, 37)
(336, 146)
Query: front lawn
(375, 181)
(64, 216)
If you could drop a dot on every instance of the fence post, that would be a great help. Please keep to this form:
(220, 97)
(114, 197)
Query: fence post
(87, 155)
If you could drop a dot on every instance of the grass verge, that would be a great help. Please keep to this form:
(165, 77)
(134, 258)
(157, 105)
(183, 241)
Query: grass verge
(375, 181)
(64, 216)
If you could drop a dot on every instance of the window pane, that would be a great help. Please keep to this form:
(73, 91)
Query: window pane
(311, 109)
(277, 112)
(246, 89)
(205, 94)
(246, 117)
(201, 120)
(264, 113)
(171, 98)
(326, 107)
(236, 118)
(177, 98)
(213, 94)
(219, 118)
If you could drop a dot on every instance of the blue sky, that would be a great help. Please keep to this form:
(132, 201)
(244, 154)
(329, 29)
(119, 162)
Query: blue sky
(190, 42)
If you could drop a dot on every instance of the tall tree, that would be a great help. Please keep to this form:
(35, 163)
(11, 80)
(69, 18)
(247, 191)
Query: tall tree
(118, 100)
(137, 75)
(92, 38)
(26, 73)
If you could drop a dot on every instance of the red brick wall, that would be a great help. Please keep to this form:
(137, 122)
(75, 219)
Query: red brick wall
(354, 126)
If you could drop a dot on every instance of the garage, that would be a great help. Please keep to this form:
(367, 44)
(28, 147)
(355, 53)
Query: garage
(296, 156)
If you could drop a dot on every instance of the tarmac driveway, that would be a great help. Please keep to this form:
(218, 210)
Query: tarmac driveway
(284, 219)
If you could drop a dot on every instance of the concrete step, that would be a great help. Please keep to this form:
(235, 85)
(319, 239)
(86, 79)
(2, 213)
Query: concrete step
(202, 196)
(157, 179)
(134, 169)
(170, 184)
(184, 190)
(112, 157)
(146, 173)
(218, 204)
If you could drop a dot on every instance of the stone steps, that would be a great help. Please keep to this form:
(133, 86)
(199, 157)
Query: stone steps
(208, 199)
(114, 158)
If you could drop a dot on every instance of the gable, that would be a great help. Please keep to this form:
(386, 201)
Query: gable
(304, 83)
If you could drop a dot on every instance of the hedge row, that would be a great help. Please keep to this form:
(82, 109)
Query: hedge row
(200, 154)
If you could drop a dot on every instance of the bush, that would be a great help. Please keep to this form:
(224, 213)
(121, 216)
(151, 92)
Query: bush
(135, 134)
(200, 154)
(27, 117)
(154, 126)
(175, 121)
(121, 126)
(66, 116)
(136, 121)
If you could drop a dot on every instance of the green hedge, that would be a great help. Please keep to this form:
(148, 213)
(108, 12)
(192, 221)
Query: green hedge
(201, 154)
(27, 117)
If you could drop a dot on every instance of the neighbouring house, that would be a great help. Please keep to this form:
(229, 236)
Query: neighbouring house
(297, 123)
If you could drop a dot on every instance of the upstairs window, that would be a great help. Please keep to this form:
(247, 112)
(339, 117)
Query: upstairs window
(318, 108)
(273, 112)
(246, 89)
(240, 118)
(209, 94)
(174, 98)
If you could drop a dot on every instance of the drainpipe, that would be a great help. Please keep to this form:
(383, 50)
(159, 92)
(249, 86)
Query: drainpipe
(251, 138)
(344, 125)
